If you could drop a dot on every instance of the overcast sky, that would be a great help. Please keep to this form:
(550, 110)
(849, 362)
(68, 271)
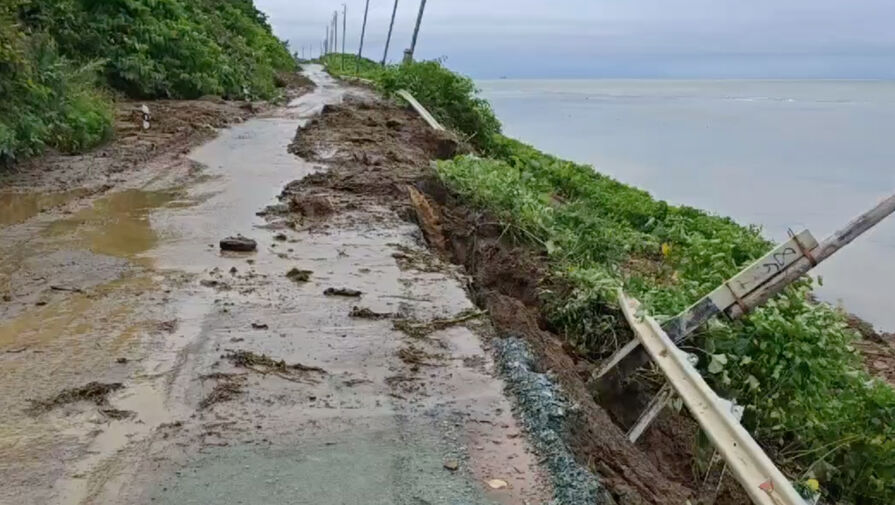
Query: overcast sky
(619, 38)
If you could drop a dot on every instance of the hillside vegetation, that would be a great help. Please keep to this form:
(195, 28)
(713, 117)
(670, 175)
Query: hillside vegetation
(450, 97)
(61, 59)
(791, 364)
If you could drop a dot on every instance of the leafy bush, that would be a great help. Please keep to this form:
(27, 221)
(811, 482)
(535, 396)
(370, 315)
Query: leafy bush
(790, 363)
(51, 52)
(45, 101)
(349, 65)
(450, 97)
(169, 48)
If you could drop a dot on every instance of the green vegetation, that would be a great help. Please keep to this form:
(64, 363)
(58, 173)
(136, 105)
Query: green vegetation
(790, 363)
(450, 97)
(51, 52)
(45, 100)
(347, 66)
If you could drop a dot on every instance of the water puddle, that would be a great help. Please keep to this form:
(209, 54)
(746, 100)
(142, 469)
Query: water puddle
(18, 207)
(118, 224)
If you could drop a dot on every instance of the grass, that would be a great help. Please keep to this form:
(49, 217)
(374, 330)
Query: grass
(790, 363)
(453, 99)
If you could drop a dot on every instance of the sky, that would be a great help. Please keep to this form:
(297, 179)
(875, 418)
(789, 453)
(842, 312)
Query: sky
(838, 39)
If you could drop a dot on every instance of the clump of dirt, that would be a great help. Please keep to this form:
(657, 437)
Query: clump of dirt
(265, 364)
(228, 387)
(422, 329)
(409, 258)
(365, 313)
(117, 414)
(95, 392)
(412, 355)
(317, 206)
(297, 275)
(346, 292)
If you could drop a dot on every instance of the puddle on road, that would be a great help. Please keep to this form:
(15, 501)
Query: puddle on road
(18, 207)
(118, 224)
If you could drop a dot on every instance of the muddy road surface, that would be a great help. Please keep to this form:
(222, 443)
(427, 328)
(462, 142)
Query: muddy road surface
(341, 362)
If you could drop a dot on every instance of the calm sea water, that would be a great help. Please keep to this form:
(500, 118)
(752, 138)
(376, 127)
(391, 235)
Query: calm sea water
(780, 154)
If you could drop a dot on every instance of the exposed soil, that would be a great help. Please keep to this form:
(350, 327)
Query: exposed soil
(877, 349)
(355, 140)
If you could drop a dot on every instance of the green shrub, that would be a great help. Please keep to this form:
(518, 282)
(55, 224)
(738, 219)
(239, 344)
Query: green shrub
(52, 51)
(45, 101)
(790, 363)
(450, 97)
(348, 66)
(169, 48)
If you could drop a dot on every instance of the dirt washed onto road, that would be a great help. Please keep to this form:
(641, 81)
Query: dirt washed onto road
(374, 156)
(341, 362)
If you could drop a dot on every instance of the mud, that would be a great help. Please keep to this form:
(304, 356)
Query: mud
(145, 281)
(505, 282)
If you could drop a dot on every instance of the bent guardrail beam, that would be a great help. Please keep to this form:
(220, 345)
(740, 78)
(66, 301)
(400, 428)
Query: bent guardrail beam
(760, 478)
(420, 109)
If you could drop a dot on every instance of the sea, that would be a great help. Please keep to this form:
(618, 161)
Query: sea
(781, 154)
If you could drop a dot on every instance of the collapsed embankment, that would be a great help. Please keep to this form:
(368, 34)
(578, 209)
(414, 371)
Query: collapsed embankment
(365, 146)
(792, 364)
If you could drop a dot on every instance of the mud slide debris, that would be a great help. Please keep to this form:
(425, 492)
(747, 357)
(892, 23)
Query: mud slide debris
(265, 365)
(95, 392)
(298, 275)
(365, 313)
(228, 387)
(421, 329)
(346, 292)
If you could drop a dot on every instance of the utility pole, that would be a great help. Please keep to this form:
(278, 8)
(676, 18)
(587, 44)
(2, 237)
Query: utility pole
(344, 31)
(336, 31)
(326, 40)
(416, 30)
(363, 31)
(389, 38)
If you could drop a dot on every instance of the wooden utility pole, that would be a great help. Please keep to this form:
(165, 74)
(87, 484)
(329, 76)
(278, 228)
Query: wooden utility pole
(388, 39)
(363, 31)
(336, 31)
(326, 40)
(416, 30)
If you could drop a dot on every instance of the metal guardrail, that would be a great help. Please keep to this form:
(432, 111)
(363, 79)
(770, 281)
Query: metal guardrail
(760, 478)
(421, 110)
